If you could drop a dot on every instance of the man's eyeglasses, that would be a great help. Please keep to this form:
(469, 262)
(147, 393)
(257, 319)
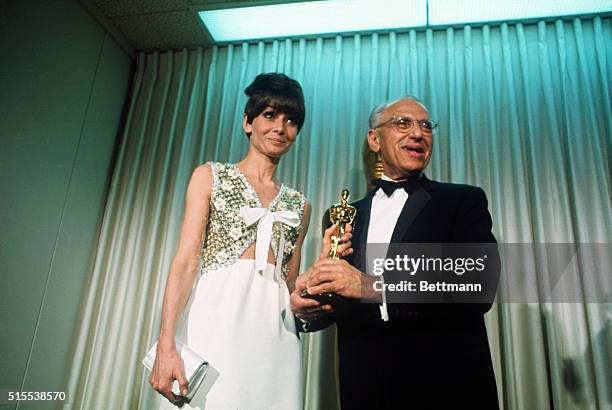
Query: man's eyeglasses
(401, 123)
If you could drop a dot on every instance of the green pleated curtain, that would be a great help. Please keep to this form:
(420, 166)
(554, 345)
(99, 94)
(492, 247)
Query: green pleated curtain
(524, 112)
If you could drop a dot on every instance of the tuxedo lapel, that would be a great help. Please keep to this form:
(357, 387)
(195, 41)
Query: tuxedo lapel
(414, 204)
(360, 229)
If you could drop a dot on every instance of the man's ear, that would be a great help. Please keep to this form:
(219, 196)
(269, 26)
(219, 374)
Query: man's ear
(373, 141)
(246, 127)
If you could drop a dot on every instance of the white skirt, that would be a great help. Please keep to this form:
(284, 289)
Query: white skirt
(239, 320)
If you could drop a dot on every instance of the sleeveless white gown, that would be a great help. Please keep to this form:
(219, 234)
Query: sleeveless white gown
(238, 318)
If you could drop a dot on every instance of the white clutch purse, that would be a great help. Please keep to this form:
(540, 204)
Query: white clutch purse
(195, 368)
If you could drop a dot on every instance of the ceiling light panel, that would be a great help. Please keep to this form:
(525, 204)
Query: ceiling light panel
(448, 12)
(312, 18)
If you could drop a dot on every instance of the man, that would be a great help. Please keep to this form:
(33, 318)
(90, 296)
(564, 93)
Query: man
(406, 355)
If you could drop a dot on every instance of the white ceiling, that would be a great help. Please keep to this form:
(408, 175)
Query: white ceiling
(162, 24)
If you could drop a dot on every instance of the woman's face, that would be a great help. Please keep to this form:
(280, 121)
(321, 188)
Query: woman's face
(272, 132)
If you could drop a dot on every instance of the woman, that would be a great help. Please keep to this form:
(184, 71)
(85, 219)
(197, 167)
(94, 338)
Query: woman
(241, 239)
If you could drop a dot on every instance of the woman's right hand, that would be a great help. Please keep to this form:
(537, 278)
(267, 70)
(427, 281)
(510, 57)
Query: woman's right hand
(168, 367)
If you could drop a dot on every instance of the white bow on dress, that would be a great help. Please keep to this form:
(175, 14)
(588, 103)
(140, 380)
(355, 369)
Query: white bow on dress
(265, 219)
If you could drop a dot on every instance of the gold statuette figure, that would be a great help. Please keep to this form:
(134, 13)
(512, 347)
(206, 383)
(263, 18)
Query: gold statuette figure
(340, 215)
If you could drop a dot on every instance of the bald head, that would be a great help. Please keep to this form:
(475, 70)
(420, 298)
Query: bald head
(377, 112)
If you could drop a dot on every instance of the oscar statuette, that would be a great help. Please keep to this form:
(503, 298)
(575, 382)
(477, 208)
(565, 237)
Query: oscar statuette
(340, 215)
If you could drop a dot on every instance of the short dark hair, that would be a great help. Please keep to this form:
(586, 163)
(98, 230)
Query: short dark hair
(278, 91)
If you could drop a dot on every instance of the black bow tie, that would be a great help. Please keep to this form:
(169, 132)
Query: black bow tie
(390, 186)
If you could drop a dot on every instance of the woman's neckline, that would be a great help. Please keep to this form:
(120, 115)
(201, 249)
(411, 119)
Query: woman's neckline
(252, 189)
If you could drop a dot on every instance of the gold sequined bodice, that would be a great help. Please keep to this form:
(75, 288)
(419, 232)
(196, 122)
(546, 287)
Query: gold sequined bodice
(227, 236)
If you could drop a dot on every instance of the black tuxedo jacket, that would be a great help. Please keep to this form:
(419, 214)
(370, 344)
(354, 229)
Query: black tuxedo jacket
(427, 356)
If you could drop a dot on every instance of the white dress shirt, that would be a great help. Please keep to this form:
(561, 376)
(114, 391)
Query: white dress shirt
(383, 218)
